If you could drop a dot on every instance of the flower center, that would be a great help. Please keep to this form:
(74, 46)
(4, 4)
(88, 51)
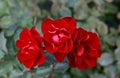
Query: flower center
(60, 35)
(28, 48)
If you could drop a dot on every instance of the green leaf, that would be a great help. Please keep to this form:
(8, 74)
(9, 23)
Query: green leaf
(71, 3)
(5, 67)
(99, 2)
(6, 21)
(10, 31)
(3, 42)
(96, 75)
(43, 71)
(96, 13)
(66, 76)
(38, 27)
(102, 28)
(27, 22)
(80, 15)
(65, 12)
(110, 71)
(117, 54)
(1, 54)
(118, 65)
(81, 10)
(108, 8)
(78, 73)
(11, 46)
(15, 73)
(17, 33)
(3, 7)
(118, 42)
(61, 67)
(93, 22)
(106, 59)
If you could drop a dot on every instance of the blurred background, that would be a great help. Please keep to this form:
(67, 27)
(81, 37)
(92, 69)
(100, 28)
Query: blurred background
(101, 16)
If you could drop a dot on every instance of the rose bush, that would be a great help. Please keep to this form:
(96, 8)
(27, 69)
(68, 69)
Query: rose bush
(30, 48)
(86, 49)
(57, 36)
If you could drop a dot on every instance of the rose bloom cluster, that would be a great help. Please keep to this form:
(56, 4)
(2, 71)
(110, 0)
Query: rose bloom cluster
(63, 39)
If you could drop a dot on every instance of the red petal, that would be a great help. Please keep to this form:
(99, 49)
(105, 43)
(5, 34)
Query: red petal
(66, 47)
(29, 63)
(74, 35)
(64, 38)
(47, 25)
(80, 63)
(63, 48)
(48, 37)
(20, 43)
(79, 59)
(94, 53)
(70, 44)
(80, 51)
(60, 23)
(50, 47)
(99, 53)
(37, 37)
(93, 41)
(34, 32)
(82, 66)
(22, 56)
(40, 60)
(25, 34)
(59, 56)
(83, 35)
(71, 21)
(71, 59)
(91, 61)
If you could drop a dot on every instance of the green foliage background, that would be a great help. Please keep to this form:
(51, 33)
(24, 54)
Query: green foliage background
(101, 16)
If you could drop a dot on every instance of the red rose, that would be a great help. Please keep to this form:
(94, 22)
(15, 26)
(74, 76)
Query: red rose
(86, 49)
(57, 36)
(30, 48)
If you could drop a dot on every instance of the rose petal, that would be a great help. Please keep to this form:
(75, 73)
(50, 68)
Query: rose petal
(82, 66)
(74, 35)
(29, 63)
(61, 24)
(83, 35)
(91, 61)
(93, 41)
(63, 48)
(39, 60)
(25, 34)
(23, 56)
(71, 59)
(34, 31)
(70, 44)
(59, 56)
(50, 47)
(21, 43)
(80, 51)
(47, 25)
(36, 37)
(71, 22)
(94, 53)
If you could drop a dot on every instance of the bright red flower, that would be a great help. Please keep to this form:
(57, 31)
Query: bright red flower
(86, 49)
(57, 36)
(30, 48)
